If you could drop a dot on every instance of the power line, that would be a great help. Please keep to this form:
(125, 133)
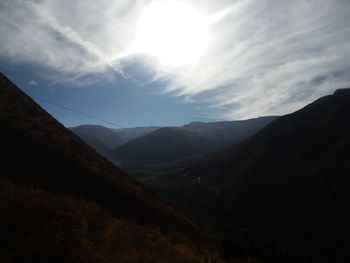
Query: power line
(120, 126)
(110, 122)
(106, 121)
(78, 112)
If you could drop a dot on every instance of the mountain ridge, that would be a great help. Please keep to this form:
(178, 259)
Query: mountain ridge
(170, 144)
(62, 200)
(288, 182)
(291, 178)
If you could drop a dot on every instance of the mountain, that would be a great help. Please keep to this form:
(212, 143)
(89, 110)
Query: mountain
(227, 133)
(100, 138)
(128, 134)
(162, 145)
(104, 139)
(289, 182)
(63, 202)
(292, 178)
(176, 143)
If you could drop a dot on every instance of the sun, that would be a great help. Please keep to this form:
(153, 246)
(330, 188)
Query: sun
(172, 32)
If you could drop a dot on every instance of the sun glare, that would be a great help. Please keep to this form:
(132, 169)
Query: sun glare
(172, 32)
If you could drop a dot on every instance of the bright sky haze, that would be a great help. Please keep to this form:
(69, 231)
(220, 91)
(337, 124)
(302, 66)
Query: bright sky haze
(144, 62)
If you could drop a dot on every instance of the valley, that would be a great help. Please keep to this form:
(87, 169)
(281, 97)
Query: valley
(270, 188)
(173, 131)
(281, 183)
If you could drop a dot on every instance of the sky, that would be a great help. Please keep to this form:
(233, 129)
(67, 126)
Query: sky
(148, 62)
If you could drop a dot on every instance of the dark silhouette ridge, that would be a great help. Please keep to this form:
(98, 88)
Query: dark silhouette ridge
(62, 202)
(291, 179)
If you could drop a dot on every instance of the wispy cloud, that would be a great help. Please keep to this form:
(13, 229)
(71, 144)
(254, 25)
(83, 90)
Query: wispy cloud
(73, 38)
(268, 56)
(264, 57)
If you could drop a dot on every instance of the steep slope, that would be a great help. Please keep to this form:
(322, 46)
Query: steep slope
(62, 202)
(177, 143)
(100, 138)
(293, 177)
(310, 146)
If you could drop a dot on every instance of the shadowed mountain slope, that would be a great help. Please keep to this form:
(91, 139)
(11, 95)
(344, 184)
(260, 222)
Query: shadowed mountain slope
(293, 177)
(62, 202)
(290, 181)
(100, 138)
(162, 145)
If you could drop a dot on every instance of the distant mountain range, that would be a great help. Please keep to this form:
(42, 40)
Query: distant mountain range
(177, 143)
(63, 202)
(133, 148)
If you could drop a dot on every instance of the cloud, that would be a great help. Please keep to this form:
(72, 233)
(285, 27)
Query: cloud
(73, 38)
(267, 55)
(33, 83)
(264, 57)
